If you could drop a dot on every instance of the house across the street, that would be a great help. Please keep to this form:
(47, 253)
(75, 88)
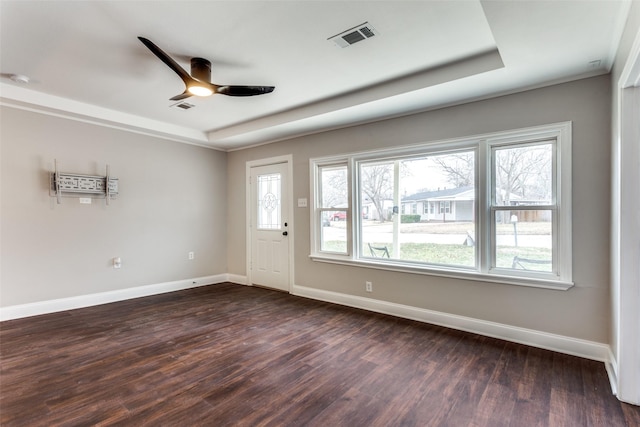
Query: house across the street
(451, 204)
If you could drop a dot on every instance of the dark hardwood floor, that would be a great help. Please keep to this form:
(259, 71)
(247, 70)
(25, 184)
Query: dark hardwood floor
(235, 355)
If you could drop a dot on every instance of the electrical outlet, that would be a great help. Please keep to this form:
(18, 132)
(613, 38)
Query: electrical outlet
(368, 286)
(192, 255)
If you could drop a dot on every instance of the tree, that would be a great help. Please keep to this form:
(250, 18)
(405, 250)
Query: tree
(524, 172)
(335, 192)
(458, 168)
(377, 184)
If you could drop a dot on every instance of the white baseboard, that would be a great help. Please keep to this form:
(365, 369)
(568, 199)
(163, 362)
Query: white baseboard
(562, 344)
(63, 304)
(237, 279)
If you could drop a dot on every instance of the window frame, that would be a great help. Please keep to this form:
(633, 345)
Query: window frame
(484, 146)
(319, 210)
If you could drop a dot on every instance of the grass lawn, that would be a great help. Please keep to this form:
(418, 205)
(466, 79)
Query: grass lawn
(524, 228)
(456, 255)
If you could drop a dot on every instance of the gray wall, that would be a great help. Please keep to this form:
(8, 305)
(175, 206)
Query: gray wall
(176, 198)
(581, 312)
(172, 200)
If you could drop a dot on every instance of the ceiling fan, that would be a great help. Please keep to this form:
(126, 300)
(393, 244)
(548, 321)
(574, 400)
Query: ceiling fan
(198, 83)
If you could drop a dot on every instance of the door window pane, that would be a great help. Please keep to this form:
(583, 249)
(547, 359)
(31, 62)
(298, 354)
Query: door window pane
(269, 201)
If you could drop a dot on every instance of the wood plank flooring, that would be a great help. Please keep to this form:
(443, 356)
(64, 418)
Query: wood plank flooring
(227, 355)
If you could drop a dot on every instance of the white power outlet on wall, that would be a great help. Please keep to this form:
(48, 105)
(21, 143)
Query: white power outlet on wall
(192, 255)
(368, 286)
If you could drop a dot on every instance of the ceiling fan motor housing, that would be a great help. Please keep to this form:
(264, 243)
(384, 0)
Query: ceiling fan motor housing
(201, 69)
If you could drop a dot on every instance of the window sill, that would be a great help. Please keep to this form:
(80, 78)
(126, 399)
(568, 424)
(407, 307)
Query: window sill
(452, 274)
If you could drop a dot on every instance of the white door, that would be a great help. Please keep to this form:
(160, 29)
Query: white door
(269, 226)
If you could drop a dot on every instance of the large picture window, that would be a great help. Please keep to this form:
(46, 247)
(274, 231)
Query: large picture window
(493, 207)
(387, 187)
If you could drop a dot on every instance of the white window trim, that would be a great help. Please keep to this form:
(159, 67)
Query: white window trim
(317, 209)
(561, 132)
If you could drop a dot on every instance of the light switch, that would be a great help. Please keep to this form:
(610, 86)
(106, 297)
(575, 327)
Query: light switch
(302, 203)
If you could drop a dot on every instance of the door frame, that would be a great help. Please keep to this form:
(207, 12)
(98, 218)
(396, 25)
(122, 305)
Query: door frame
(288, 160)
(625, 272)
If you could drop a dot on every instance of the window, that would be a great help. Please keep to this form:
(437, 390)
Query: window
(388, 183)
(523, 202)
(333, 212)
(494, 207)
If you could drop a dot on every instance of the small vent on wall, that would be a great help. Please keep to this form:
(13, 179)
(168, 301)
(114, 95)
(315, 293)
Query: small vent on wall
(354, 35)
(182, 105)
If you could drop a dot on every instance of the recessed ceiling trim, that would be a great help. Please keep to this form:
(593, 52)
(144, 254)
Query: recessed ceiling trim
(30, 100)
(466, 67)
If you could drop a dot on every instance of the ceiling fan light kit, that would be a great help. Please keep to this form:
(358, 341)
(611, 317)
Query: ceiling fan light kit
(198, 90)
(198, 83)
(200, 70)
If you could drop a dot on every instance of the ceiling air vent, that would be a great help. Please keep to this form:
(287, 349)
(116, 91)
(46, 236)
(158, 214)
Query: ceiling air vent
(354, 35)
(182, 105)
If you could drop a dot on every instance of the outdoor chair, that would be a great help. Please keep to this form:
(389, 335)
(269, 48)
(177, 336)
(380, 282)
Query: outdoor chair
(378, 251)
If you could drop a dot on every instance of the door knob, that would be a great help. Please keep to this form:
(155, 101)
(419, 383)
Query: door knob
(284, 233)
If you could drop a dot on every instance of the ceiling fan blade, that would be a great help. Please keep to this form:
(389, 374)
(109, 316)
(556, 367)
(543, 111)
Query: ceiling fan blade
(186, 78)
(199, 84)
(244, 90)
(183, 95)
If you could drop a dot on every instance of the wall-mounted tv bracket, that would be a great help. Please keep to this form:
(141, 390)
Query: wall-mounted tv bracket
(76, 185)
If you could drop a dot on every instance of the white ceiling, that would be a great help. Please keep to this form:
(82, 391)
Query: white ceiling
(85, 61)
